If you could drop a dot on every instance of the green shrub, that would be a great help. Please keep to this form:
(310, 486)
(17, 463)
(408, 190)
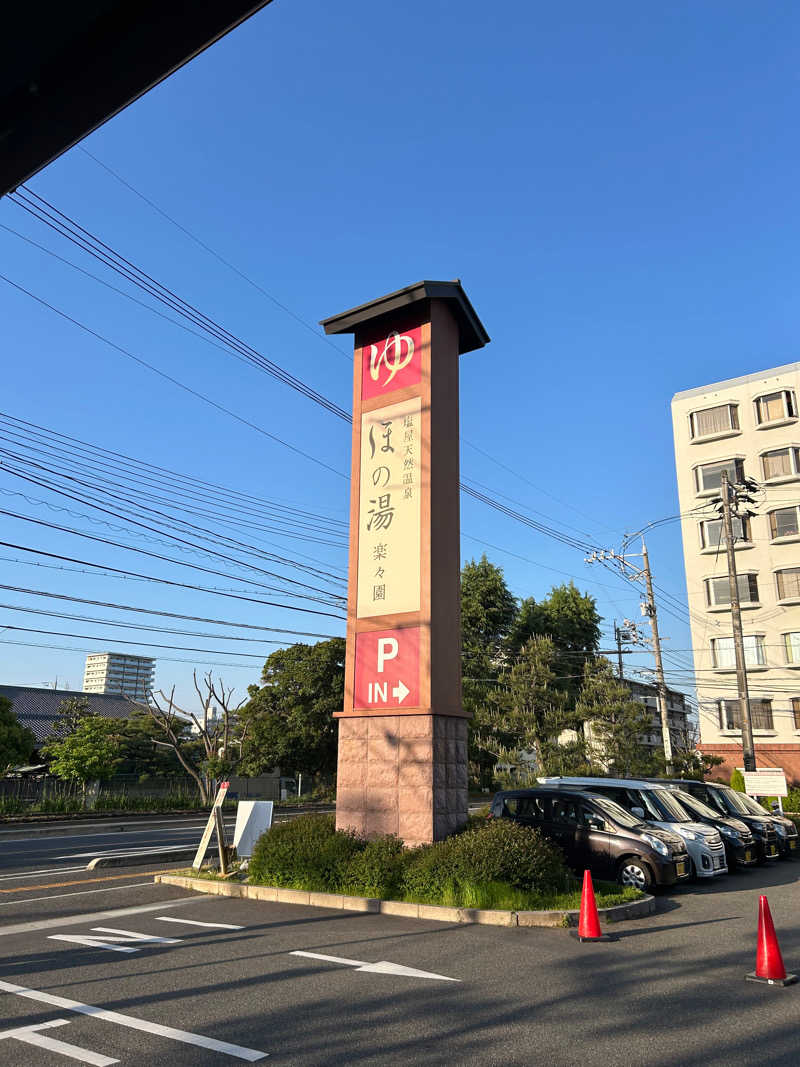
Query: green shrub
(304, 853)
(376, 871)
(504, 851)
(429, 875)
(499, 851)
(737, 780)
(791, 801)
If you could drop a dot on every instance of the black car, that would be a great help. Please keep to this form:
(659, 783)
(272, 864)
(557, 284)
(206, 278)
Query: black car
(740, 847)
(786, 830)
(595, 833)
(729, 802)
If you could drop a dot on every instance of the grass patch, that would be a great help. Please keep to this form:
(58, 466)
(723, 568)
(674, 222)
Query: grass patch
(501, 897)
(496, 865)
(211, 874)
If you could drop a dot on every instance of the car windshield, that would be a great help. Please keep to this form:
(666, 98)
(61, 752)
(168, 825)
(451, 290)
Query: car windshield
(668, 806)
(615, 812)
(694, 806)
(752, 805)
(734, 802)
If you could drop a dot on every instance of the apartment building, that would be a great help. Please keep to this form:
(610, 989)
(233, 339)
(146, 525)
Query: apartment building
(118, 672)
(748, 426)
(681, 729)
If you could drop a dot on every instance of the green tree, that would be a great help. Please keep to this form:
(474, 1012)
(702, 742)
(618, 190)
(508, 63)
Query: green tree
(536, 713)
(90, 753)
(615, 722)
(289, 718)
(16, 741)
(737, 780)
(143, 750)
(571, 619)
(488, 609)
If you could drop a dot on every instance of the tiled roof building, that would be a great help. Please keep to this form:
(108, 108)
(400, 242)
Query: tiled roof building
(38, 708)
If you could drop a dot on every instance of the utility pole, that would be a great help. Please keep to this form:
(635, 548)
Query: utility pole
(630, 570)
(618, 638)
(748, 747)
(660, 683)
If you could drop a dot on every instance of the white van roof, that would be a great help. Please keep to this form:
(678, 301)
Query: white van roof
(638, 783)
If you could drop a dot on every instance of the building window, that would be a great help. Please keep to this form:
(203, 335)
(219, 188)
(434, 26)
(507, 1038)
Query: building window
(712, 534)
(718, 590)
(709, 476)
(781, 463)
(792, 645)
(789, 583)
(796, 712)
(774, 407)
(784, 523)
(724, 655)
(730, 715)
(721, 419)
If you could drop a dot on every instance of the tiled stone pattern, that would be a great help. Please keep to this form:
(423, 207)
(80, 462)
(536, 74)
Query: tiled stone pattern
(402, 774)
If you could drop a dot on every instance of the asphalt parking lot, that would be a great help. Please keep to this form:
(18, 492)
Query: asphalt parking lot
(220, 982)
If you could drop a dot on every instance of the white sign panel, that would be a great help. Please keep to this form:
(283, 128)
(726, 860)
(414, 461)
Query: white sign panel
(389, 510)
(253, 818)
(769, 782)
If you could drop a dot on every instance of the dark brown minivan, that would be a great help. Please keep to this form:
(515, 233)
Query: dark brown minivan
(596, 833)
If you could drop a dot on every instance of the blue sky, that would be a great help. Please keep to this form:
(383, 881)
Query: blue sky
(615, 185)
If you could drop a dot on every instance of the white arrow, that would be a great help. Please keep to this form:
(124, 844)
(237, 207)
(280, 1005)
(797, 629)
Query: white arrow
(383, 967)
(400, 691)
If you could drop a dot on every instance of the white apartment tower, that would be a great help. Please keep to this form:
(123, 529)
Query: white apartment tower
(748, 426)
(118, 672)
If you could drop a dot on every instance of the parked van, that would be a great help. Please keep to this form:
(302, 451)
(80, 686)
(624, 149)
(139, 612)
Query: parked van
(740, 846)
(729, 801)
(595, 833)
(657, 806)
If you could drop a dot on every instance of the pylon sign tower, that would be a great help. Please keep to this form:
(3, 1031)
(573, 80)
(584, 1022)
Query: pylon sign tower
(402, 764)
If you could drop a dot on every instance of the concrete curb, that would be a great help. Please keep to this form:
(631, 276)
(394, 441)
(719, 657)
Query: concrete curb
(142, 858)
(437, 913)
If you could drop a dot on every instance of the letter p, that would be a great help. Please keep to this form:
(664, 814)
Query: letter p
(387, 649)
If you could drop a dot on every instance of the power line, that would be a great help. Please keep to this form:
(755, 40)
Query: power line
(212, 251)
(163, 614)
(68, 227)
(117, 571)
(174, 381)
(145, 552)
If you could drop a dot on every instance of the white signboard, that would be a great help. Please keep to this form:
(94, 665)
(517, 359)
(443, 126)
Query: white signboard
(253, 818)
(389, 510)
(767, 782)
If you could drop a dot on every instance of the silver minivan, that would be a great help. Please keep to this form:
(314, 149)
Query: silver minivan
(659, 806)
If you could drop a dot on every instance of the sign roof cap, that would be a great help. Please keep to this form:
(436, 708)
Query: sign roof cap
(471, 331)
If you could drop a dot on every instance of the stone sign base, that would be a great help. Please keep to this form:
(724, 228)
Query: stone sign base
(403, 775)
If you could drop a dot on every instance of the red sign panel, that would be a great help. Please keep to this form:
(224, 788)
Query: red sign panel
(393, 362)
(387, 669)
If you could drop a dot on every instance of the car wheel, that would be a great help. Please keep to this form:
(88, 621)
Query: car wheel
(635, 873)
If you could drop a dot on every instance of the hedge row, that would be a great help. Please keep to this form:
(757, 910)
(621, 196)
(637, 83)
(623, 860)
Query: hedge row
(496, 858)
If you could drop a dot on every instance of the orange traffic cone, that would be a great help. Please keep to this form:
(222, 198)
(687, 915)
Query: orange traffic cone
(769, 962)
(589, 920)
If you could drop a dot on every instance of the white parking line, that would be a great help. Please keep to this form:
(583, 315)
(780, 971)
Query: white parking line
(35, 874)
(30, 1035)
(92, 917)
(194, 922)
(79, 893)
(115, 944)
(144, 850)
(184, 1036)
